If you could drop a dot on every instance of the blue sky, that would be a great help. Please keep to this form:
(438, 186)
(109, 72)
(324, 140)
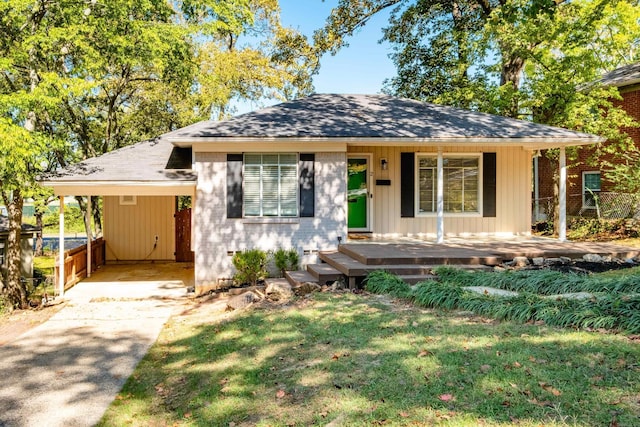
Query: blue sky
(360, 67)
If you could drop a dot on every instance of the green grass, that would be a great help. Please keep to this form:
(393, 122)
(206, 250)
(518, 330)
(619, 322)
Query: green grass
(364, 360)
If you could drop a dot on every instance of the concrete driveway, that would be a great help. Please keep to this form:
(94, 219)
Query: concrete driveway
(66, 371)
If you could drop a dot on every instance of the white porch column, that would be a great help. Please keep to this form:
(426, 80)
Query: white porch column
(61, 277)
(562, 197)
(88, 220)
(440, 197)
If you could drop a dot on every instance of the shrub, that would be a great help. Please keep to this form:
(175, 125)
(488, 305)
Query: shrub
(250, 266)
(286, 260)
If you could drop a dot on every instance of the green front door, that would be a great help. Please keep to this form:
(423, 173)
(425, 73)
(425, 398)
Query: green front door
(357, 193)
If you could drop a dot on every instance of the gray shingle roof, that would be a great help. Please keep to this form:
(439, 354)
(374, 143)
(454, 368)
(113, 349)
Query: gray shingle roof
(370, 116)
(26, 228)
(623, 76)
(155, 160)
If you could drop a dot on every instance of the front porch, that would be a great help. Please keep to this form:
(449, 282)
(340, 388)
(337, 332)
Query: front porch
(414, 259)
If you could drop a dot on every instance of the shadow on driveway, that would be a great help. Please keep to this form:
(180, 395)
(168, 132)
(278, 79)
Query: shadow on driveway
(66, 371)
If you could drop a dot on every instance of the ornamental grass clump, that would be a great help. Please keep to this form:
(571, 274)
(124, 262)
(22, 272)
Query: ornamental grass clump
(539, 297)
(383, 282)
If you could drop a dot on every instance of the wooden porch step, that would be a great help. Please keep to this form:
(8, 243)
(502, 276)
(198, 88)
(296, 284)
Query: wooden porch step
(297, 278)
(353, 268)
(324, 273)
(417, 254)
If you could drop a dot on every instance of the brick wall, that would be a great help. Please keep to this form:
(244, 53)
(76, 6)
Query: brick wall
(216, 235)
(546, 169)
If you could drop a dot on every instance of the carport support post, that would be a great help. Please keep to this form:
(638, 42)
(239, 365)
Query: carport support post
(88, 221)
(562, 197)
(440, 198)
(61, 276)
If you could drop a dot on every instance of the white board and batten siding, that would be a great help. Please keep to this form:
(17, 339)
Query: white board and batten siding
(513, 195)
(130, 228)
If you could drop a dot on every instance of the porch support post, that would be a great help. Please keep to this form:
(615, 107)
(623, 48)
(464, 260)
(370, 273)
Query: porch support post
(562, 197)
(440, 198)
(61, 278)
(88, 221)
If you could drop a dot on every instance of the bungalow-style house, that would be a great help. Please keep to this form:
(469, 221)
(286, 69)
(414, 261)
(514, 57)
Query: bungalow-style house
(26, 240)
(585, 179)
(305, 173)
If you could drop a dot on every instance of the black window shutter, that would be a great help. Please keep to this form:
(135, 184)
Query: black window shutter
(407, 185)
(489, 185)
(307, 187)
(234, 185)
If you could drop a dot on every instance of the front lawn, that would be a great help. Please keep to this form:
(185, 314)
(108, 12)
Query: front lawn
(369, 360)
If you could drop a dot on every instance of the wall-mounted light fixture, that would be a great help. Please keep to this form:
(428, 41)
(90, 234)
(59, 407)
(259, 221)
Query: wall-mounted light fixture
(384, 164)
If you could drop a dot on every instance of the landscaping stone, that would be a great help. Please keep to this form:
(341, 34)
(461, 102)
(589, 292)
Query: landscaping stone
(243, 300)
(521, 261)
(538, 261)
(306, 288)
(571, 295)
(485, 290)
(278, 290)
(565, 259)
(592, 258)
(553, 261)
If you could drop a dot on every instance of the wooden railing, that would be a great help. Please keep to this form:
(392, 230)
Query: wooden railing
(75, 263)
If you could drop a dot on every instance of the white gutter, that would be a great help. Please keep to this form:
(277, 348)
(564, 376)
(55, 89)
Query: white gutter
(537, 143)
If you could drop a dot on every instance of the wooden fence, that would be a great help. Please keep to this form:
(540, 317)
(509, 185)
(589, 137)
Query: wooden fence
(75, 263)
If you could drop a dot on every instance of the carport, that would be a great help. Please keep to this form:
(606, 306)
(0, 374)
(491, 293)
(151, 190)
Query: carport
(139, 186)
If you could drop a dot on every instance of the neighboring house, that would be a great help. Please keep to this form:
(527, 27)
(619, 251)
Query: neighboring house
(305, 173)
(586, 180)
(27, 247)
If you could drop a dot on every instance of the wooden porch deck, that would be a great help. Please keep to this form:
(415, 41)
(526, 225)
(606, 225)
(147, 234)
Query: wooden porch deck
(414, 261)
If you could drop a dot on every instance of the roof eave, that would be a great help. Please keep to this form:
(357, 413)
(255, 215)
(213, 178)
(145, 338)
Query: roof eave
(527, 142)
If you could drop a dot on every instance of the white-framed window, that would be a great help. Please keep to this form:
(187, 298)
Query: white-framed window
(270, 185)
(461, 175)
(128, 200)
(590, 189)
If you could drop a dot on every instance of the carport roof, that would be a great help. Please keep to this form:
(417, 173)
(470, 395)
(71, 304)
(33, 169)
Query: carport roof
(156, 161)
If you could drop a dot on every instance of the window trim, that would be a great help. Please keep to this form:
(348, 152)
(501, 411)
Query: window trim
(476, 214)
(276, 218)
(584, 189)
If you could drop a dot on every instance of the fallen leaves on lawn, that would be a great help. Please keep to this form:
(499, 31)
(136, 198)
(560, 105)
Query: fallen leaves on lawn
(280, 394)
(446, 397)
(485, 368)
(424, 353)
(550, 388)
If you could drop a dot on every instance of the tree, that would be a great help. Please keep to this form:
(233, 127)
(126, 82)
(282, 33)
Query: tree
(82, 78)
(480, 54)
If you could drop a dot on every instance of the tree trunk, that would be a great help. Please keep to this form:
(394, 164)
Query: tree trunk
(510, 74)
(15, 291)
(97, 216)
(40, 225)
